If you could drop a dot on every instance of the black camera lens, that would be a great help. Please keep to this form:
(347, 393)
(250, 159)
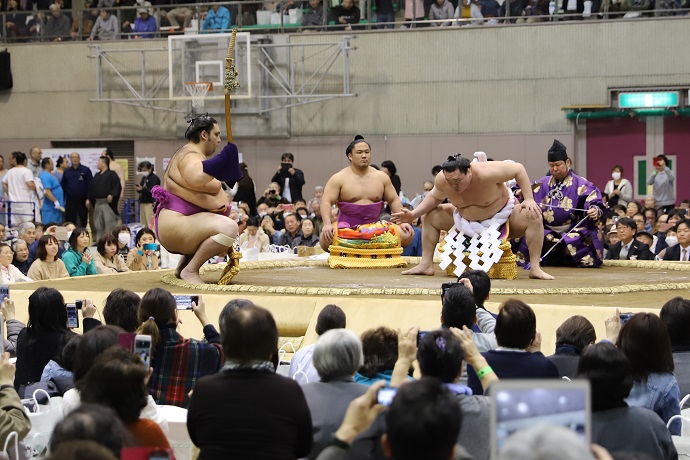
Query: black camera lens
(272, 192)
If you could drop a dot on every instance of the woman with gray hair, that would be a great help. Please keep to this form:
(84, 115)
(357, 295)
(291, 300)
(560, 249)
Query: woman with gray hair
(337, 356)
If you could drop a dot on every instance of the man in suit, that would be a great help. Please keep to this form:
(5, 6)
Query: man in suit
(680, 251)
(290, 179)
(628, 248)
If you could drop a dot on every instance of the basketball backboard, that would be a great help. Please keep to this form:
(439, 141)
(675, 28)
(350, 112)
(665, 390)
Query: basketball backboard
(201, 58)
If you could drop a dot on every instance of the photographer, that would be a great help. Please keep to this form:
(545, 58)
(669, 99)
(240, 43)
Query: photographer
(272, 196)
(289, 179)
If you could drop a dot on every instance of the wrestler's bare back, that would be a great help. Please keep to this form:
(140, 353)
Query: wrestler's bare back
(485, 195)
(359, 188)
(185, 178)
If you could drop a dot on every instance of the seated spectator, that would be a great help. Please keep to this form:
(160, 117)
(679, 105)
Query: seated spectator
(121, 309)
(313, 19)
(106, 27)
(615, 425)
(481, 289)
(515, 10)
(77, 257)
(572, 337)
(676, 315)
(345, 15)
(421, 422)
(248, 397)
(414, 249)
(468, 9)
(60, 370)
(177, 362)
(21, 258)
(268, 226)
(78, 450)
(124, 239)
(308, 238)
(58, 25)
(51, 228)
(92, 422)
(459, 310)
(12, 326)
(254, 237)
(380, 348)
(440, 355)
(546, 440)
(217, 20)
(140, 258)
(117, 379)
(13, 418)
(680, 251)
(337, 356)
(272, 197)
(89, 16)
(331, 317)
(645, 341)
(178, 12)
(48, 266)
(27, 232)
(16, 23)
(8, 272)
(107, 259)
(292, 230)
(145, 25)
(518, 355)
(43, 338)
(628, 248)
(632, 208)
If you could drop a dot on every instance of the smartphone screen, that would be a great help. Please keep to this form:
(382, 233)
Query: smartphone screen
(72, 316)
(624, 317)
(4, 292)
(184, 302)
(385, 396)
(142, 348)
(420, 336)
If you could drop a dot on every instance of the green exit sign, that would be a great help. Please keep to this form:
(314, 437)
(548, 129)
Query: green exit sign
(648, 100)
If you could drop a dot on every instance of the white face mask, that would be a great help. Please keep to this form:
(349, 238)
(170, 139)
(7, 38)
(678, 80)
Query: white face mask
(616, 175)
(145, 173)
(263, 213)
(124, 238)
(671, 240)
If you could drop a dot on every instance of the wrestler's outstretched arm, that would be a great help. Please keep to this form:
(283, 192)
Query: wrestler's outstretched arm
(430, 201)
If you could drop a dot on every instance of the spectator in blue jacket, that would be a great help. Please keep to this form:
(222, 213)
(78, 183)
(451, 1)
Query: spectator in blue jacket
(145, 25)
(217, 20)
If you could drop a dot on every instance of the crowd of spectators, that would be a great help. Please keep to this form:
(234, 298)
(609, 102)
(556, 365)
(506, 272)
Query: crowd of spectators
(326, 407)
(43, 20)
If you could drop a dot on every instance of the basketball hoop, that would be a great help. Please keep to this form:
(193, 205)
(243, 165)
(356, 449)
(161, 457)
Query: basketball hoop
(197, 90)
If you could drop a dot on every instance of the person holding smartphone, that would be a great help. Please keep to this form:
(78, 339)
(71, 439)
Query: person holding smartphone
(143, 256)
(77, 258)
(290, 179)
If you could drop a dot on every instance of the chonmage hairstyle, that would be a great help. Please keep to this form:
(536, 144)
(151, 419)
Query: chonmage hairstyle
(337, 354)
(358, 138)
(197, 125)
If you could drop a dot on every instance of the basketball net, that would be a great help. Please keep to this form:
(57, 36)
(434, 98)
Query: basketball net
(198, 90)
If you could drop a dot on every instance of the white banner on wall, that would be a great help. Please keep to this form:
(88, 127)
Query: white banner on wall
(88, 156)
